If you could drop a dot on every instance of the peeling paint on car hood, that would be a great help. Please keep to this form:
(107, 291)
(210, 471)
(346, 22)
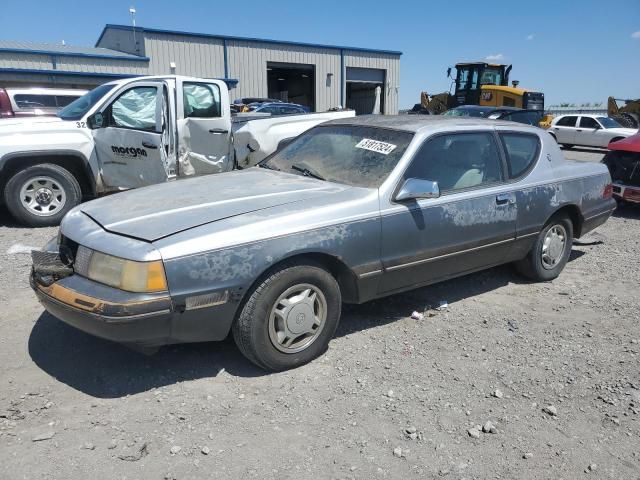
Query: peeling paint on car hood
(162, 210)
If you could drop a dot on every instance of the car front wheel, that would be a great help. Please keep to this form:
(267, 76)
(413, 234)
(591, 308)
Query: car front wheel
(550, 252)
(289, 317)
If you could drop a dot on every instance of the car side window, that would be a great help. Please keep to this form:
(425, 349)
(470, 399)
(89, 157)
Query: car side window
(34, 101)
(136, 109)
(567, 121)
(588, 122)
(201, 100)
(458, 161)
(522, 151)
(528, 118)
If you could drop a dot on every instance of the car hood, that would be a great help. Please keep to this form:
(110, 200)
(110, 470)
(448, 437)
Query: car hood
(162, 210)
(627, 132)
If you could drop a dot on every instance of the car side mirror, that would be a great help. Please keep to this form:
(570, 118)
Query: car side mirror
(95, 121)
(597, 127)
(416, 188)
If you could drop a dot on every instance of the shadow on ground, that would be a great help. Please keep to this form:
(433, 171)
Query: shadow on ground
(108, 370)
(601, 151)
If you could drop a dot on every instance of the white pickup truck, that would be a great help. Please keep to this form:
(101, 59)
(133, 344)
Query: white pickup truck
(131, 133)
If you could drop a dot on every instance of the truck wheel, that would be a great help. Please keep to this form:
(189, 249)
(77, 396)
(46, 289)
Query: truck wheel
(550, 253)
(289, 317)
(39, 196)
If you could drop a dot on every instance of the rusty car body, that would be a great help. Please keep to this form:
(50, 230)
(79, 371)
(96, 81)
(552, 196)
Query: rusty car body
(271, 252)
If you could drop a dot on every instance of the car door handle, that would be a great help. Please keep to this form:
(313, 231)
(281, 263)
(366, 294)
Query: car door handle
(219, 131)
(149, 145)
(578, 130)
(504, 199)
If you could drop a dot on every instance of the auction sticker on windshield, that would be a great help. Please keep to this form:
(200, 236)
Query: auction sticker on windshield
(376, 146)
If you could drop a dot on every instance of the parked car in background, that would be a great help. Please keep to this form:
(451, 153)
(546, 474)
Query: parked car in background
(587, 130)
(623, 162)
(29, 102)
(349, 211)
(278, 108)
(512, 114)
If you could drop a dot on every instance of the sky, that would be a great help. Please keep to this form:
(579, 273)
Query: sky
(575, 51)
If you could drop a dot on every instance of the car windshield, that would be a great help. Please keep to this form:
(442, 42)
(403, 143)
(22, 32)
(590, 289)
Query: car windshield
(607, 122)
(466, 112)
(79, 107)
(350, 154)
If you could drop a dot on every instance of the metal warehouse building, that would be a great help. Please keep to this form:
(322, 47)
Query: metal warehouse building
(319, 76)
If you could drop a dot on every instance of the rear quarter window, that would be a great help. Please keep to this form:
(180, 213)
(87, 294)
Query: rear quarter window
(522, 152)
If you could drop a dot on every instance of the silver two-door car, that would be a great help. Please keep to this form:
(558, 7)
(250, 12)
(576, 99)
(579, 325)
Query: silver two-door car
(350, 211)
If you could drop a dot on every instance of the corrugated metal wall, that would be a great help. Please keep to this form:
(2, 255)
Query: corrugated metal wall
(198, 57)
(248, 63)
(25, 61)
(382, 61)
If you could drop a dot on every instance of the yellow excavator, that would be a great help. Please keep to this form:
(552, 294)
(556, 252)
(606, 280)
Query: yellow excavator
(479, 83)
(627, 115)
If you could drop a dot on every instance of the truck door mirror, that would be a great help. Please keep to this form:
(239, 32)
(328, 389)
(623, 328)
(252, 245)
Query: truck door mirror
(96, 120)
(449, 72)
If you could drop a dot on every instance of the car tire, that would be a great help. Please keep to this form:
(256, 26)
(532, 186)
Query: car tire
(549, 254)
(289, 317)
(39, 196)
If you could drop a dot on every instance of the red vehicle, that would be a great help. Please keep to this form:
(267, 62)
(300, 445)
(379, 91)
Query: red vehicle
(623, 162)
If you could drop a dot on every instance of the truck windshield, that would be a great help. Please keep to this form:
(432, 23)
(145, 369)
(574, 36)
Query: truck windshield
(350, 154)
(79, 107)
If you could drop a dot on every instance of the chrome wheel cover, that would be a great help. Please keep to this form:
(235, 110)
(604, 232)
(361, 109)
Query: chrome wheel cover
(42, 196)
(553, 246)
(297, 318)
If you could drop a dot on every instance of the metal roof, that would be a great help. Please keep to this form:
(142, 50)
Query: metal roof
(244, 39)
(12, 46)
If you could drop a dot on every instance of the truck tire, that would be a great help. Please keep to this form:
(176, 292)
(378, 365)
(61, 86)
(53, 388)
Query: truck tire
(550, 252)
(39, 196)
(289, 317)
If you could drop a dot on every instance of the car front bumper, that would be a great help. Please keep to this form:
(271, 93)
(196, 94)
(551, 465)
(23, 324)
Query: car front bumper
(143, 319)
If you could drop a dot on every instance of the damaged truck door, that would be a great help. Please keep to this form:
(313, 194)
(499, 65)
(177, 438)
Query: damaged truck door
(131, 135)
(204, 127)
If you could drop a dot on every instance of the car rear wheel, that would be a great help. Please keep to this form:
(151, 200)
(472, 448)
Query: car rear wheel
(550, 252)
(289, 317)
(39, 196)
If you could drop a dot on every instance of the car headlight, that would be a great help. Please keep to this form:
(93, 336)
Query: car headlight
(129, 275)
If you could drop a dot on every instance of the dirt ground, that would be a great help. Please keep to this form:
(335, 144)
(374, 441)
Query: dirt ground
(555, 368)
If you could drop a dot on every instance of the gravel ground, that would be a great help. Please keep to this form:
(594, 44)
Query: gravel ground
(550, 371)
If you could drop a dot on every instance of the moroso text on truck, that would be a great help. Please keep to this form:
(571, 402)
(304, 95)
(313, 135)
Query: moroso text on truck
(131, 133)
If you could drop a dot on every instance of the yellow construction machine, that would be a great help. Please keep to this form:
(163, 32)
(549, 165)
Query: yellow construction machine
(627, 115)
(485, 84)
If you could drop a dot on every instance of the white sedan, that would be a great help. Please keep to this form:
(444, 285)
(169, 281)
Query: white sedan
(587, 130)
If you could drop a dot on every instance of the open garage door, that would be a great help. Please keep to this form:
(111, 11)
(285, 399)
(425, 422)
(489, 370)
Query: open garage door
(292, 82)
(365, 87)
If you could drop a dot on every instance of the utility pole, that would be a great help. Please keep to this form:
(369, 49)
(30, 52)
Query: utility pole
(132, 11)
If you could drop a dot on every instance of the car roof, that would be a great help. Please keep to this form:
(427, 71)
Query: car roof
(45, 91)
(474, 107)
(417, 123)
